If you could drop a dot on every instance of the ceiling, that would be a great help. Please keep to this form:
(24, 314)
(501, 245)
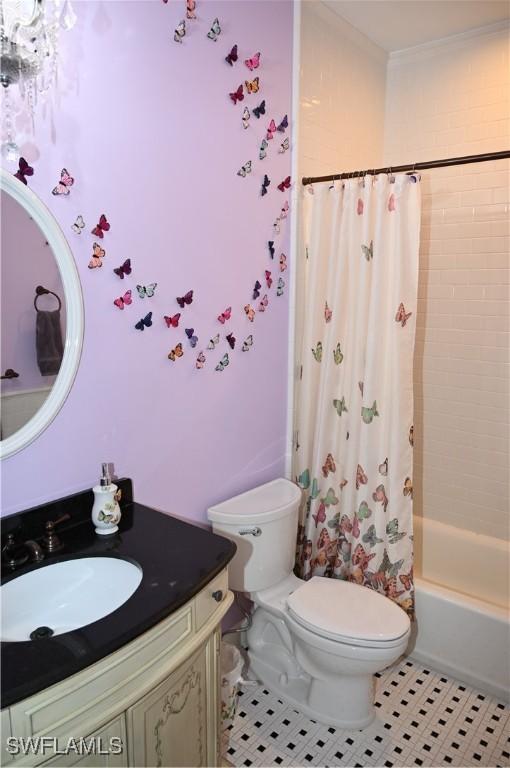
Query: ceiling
(397, 24)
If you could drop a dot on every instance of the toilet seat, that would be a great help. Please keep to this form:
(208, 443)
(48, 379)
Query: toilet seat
(348, 613)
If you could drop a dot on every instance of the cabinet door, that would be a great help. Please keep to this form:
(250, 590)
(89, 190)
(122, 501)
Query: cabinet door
(176, 723)
(107, 749)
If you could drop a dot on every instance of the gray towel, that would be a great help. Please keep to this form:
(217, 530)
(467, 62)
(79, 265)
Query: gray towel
(48, 342)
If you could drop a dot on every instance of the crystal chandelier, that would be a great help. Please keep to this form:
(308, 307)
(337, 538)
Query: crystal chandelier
(29, 35)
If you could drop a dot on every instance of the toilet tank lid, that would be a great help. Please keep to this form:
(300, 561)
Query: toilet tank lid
(346, 610)
(267, 502)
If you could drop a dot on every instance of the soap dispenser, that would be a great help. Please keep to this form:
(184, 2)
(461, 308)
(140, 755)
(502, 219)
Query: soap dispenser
(106, 511)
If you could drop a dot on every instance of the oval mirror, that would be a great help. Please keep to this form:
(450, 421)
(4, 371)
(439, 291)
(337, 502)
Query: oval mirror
(41, 316)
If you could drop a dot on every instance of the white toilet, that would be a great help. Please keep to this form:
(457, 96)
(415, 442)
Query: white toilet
(317, 643)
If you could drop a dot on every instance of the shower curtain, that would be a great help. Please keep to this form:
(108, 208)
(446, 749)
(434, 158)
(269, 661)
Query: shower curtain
(356, 298)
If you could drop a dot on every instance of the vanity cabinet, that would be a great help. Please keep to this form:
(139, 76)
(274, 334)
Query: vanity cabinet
(159, 694)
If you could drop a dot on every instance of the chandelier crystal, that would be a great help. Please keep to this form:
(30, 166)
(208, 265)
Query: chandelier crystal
(29, 36)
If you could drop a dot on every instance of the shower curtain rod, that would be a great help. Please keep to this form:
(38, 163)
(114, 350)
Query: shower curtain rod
(412, 167)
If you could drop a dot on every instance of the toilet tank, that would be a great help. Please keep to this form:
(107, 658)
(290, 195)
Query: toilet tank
(263, 524)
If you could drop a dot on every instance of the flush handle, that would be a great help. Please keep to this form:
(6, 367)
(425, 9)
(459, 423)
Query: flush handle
(255, 531)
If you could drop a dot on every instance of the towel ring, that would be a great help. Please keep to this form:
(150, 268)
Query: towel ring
(41, 291)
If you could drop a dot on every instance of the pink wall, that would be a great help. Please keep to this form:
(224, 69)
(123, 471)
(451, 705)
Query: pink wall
(147, 129)
(26, 262)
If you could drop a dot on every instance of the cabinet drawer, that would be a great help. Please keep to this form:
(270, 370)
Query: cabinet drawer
(209, 599)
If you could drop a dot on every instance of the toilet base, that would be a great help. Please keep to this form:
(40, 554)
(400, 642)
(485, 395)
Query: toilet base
(309, 696)
(341, 700)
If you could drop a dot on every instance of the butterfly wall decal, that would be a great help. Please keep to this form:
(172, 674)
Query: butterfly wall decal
(253, 62)
(269, 279)
(337, 354)
(231, 339)
(283, 262)
(262, 150)
(250, 312)
(265, 183)
(283, 125)
(263, 303)
(328, 313)
(176, 352)
(186, 299)
(271, 130)
(280, 286)
(285, 184)
(247, 343)
(102, 226)
(270, 245)
(231, 57)
(200, 361)
(24, 170)
(124, 269)
(245, 169)
(144, 322)
(368, 251)
(284, 146)
(215, 30)
(320, 515)
(193, 340)
(367, 414)
(260, 110)
(172, 321)
(223, 363)
(190, 10)
(146, 290)
(256, 290)
(98, 254)
(402, 316)
(224, 316)
(317, 352)
(64, 185)
(246, 118)
(78, 225)
(361, 558)
(252, 86)
(237, 95)
(214, 342)
(180, 31)
(361, 478)
(340, 406)
(123, 301)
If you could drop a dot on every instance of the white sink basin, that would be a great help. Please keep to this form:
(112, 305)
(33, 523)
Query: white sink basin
(65, 596)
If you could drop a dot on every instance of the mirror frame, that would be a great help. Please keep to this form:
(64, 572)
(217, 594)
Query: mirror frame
(74, 314)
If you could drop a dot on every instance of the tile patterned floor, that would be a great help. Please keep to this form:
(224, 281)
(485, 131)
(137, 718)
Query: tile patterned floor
(423, 719)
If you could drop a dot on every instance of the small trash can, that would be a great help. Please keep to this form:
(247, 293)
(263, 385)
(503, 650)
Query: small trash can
(231, 664)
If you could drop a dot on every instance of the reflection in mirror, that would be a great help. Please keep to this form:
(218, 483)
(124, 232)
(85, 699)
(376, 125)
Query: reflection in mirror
(33, 322)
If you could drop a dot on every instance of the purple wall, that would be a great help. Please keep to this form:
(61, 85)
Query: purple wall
(26, 262)
(147, 129)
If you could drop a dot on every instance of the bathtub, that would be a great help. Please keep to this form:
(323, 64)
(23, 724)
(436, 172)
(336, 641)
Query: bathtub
(462, 621)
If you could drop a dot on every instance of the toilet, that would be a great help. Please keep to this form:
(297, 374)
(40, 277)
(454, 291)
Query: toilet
(316, 643)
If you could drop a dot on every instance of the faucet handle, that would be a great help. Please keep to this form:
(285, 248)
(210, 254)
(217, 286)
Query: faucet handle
(51, 542)
(13, 555)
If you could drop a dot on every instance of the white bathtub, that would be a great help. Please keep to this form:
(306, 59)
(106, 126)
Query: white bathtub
(462, 621)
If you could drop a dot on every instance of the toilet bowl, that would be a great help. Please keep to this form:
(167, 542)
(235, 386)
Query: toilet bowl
(317, 643)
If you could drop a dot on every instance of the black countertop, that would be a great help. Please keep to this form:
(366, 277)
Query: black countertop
(178, 559)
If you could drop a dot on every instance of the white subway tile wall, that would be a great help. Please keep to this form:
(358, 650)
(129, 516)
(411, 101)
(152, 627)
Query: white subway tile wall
(342, 84)
(453, 99)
